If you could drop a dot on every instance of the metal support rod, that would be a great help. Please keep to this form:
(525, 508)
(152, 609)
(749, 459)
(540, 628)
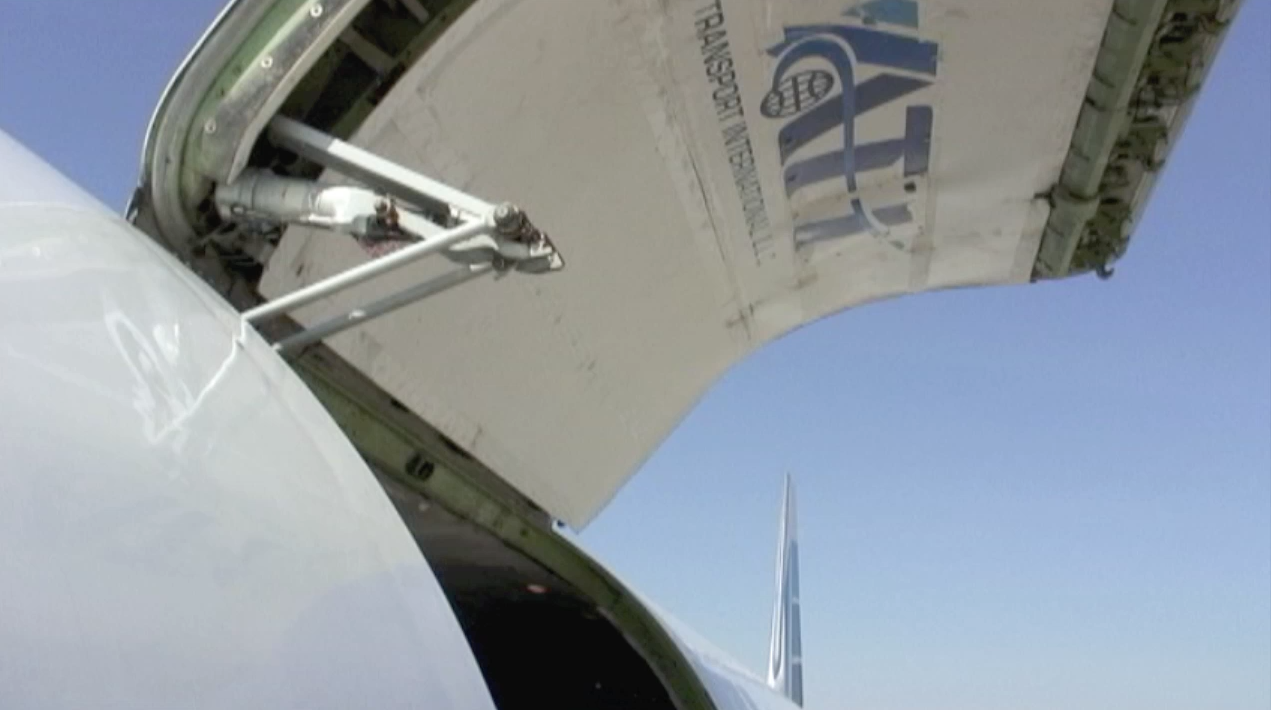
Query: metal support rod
(370, 169)
(384, 306)
(368, 270)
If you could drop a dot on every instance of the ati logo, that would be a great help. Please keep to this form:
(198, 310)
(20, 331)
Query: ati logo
(873, 164)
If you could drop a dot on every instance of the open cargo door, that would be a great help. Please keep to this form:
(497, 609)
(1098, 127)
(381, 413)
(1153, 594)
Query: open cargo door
(715, 173)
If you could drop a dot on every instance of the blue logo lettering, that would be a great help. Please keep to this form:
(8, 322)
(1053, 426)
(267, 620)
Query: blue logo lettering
(873, 67)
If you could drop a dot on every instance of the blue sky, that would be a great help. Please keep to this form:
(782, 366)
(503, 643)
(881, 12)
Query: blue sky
(1046, 496)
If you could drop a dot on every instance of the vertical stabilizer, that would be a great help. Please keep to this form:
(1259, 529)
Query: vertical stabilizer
(785, 655)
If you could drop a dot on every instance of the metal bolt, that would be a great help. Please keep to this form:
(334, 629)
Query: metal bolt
(507, 218)
(267, 62)
(210, 126)
(419, 467)
(316, 11)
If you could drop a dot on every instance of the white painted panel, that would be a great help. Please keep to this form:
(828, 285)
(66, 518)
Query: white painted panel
(635, 133)
(182, 525)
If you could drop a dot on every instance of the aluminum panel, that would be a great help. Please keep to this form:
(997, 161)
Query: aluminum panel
(691, 160)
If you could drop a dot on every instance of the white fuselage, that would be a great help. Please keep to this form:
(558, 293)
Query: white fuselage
(181, 523)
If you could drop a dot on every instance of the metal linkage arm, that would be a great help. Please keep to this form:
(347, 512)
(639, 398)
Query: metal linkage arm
(370, 169)
(383, 306)
(479, 237)
(364, 272)
(261, 196)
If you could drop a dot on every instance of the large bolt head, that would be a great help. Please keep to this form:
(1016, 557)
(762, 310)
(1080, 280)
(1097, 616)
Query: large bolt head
(507, 217)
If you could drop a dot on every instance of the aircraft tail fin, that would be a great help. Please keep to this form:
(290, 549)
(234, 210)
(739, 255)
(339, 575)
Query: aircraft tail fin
(785, 654)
